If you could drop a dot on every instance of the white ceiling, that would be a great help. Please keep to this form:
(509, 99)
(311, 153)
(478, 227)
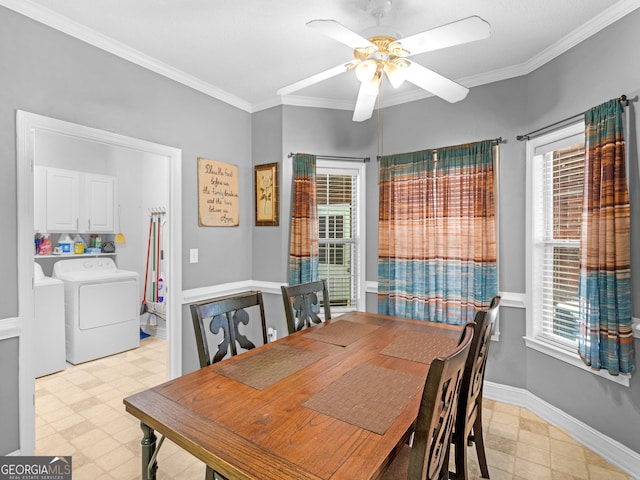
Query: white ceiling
(242, 51)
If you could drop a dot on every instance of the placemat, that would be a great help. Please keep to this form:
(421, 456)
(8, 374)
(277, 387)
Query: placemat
(271, 366)
(420, 347)
(368, 397)
(341, 332)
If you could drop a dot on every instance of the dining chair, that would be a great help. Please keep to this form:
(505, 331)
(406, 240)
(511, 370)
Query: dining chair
(468, 429)
(428, 456)
(302, 304)
(225, 314)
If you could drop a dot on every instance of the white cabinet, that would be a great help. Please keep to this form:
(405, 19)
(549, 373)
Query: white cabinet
(62, 193)
(99, 204)
(75, 202)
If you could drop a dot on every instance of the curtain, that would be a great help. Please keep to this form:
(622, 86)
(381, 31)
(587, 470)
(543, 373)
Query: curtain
(303, 248)
(605, 337)
(437, 233)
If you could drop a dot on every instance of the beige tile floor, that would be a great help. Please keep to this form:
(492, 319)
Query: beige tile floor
(79, 412)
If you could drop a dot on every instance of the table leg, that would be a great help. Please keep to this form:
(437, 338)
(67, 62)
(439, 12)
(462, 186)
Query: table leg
(148, 444)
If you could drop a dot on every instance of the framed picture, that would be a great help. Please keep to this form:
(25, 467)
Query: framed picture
(267, 193)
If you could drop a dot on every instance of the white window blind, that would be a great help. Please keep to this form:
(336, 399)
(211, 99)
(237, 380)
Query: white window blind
(338, 219)
(563, 176)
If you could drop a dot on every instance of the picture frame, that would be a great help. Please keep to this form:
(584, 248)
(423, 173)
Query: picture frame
(267, 193)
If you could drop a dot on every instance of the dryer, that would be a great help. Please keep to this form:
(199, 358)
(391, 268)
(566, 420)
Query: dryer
(102, 311)
(48, 324)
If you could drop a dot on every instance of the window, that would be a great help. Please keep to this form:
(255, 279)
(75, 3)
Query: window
(556, 172)
(339, 191)
(555, 175)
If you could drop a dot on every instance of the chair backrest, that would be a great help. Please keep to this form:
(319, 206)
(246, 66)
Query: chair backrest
(471, 393)
(436, 417)
(225, 314)
(302, 304)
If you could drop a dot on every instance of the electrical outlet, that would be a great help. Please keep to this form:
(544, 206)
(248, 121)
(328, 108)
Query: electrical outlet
(272, 334)
(193, 255)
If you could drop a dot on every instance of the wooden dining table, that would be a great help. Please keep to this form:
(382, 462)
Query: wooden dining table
(335, 401)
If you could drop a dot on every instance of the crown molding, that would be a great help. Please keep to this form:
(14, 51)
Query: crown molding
(87, 35)
(90, 36)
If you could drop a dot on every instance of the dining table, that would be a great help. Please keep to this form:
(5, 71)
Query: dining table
(334, 401)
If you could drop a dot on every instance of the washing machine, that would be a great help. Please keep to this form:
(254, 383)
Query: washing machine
(102, 308)
(48, 324)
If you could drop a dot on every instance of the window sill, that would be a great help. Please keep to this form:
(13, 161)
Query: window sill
(573, 359)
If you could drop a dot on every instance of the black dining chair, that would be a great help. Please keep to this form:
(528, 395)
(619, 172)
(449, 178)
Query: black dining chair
(468, 429)
(428, 456)
(302, 304)
(225, 315)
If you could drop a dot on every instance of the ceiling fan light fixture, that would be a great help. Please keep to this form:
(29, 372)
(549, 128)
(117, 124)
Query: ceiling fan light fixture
(366, 71)
(371, 87)
(396, 72)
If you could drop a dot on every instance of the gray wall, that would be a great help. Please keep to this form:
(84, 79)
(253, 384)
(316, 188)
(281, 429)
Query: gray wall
(49, 73)
(10, 433)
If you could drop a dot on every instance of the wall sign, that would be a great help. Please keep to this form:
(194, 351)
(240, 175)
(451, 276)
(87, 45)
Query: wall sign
(218, 201)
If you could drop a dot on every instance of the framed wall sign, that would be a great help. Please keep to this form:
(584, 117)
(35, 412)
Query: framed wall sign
(266, 194)
(218, 201)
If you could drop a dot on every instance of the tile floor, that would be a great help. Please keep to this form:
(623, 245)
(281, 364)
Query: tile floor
(79, 412)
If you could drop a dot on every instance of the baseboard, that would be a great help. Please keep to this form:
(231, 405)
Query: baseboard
(611, 450)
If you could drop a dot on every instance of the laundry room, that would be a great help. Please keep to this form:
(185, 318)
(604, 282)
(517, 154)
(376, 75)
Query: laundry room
(99, 250)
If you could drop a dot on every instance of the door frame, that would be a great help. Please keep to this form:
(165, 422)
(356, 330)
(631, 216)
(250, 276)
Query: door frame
(27, 124)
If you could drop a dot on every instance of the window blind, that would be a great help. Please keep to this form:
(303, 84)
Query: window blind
(338, 254)
(563, 177)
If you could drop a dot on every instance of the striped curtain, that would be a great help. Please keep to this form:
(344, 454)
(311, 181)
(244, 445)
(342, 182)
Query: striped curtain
(437, 233)
(605, 339)
(303, 248)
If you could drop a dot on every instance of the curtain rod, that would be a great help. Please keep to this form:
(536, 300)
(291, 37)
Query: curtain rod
(497, 141)
(336, 157)
(527, 136)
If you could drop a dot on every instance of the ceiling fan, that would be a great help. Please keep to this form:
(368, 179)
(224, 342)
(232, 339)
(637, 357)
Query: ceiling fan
(383, 54)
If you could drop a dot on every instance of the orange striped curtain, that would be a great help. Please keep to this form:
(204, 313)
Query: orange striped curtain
(605, 338)
(303, 248)
(437, 235)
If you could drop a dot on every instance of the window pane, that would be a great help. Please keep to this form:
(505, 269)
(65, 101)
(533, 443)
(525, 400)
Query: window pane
(563, 186)
(336, 212)
(568, 177)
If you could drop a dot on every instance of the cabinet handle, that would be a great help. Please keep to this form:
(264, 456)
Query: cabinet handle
(89, 224)
(77, 224)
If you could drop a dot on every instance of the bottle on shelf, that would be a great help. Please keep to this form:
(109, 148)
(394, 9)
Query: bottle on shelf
(78, 245)
(66, 244)
(45, 245)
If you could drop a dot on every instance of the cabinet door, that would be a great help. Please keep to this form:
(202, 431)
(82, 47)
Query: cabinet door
(63, 200)
(99, 204)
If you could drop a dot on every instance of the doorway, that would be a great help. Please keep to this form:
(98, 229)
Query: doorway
(29, 128)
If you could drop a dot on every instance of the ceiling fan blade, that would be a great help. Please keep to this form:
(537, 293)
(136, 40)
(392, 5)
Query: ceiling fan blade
(313, 79)
(366, 101)
(462, 31)
(435, 83)
(339, 32)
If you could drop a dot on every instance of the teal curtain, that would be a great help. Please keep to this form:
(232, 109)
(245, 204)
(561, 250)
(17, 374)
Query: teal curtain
(303, 248)
(437, 233)
(605, 336)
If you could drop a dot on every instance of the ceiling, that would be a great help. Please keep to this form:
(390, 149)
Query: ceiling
(243, 51)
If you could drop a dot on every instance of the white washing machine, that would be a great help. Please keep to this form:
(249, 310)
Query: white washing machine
(48, 324)
(102, 308)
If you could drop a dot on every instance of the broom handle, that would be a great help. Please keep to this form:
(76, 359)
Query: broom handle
(146, 268)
